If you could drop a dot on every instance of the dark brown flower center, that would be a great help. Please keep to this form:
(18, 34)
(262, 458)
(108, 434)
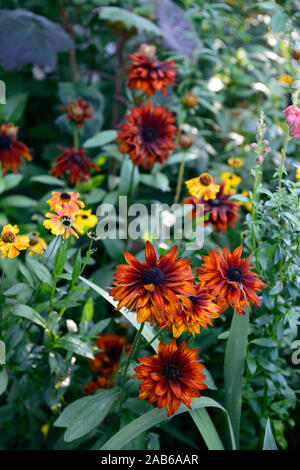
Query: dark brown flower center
(8, 237)
(113, 354)
(153, 276)
(66, 221)
(84, 217)
(171, 371)
(214, 202)
(65, 196)
(76, 157)
(205, 179)
(149, 134)
(5, 142)
(234, 274)
(32, 242)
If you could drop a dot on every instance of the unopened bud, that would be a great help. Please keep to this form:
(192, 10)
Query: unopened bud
(253, 145)
(190, 99)
(265, 142)
(260, 160)
(268, 150)
(186, 141)
(148, 50)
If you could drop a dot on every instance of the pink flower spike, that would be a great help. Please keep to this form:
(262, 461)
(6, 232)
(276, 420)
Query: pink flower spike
(292, 113)
(260, 160)
(268, 150)
(296, 129)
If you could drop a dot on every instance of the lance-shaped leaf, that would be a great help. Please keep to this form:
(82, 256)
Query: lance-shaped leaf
(27, 38)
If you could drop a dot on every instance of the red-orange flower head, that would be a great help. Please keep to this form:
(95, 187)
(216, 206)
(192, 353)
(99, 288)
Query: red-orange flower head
(148, 135)
(150, 75)
(223, 211)
(231, 279)
(107, 361)
(94, 385)
(197, 311)
(78, 111)
(76, 162)
(153, 287)
(170, 377)
(11, 150)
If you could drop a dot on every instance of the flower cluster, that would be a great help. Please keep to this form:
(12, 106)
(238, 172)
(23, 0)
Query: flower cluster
(163, 290)
(148, 135)
(68, 216)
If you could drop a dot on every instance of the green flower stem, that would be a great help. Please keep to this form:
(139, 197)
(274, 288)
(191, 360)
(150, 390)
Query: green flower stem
(283, 156)
(129, 357)
(88, 255)
(76, 138)
(253, 214)
(1, 303)
(180, 179)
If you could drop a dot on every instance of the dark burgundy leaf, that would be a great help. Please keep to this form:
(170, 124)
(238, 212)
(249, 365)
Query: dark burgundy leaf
(27, 38)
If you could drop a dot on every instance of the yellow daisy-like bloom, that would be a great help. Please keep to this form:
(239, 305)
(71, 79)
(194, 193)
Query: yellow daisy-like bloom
(37, 245)
(202, 186)
(65, 200)
(235, 162)
(231, 179)
(63, 223)
(298, 174)
(285, 78)
(11, 244)
(87, 219)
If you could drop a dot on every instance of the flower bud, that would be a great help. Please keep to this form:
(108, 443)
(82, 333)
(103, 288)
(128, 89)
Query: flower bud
(190, 99)
(265, 142)
(260, 160)
(253, 145)
(267, 150)
(186, 141)
(148, 50)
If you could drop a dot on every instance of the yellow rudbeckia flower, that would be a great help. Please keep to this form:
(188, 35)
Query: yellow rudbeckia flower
(11, 244)
(87, 219)
(285, 78)
(37, 245)
(202, 186)
(235, 162)
(298, 174)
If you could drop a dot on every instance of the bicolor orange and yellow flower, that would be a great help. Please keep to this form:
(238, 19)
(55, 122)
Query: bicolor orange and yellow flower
(62, 223)
(11, 243)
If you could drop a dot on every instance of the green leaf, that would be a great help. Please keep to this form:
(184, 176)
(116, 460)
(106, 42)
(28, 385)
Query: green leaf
(155, 417)
(14, 107)
(85, 414)
(234, 365)
(40, 271)
(239, 198)
(129, 19)
(24, 311)
(278, 21)
(3, 381)
(269, 441)
(47, 179)
(129, 176)
(88, 310)
(60, 259)
(207, 429)
(2, 353)
(18, 201)
(100, 139)
(99, 327)
(75, 345)
(12, 180)
(76, 268)
(265, 342)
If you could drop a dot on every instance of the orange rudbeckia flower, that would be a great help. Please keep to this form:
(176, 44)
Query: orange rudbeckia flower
(231, 279)
(202, 186)
(148, 135)
(153, 288)
(63, 223)
(12, 150)
(170, 377)
(10, 243)
(150, 75)
(197, 311)
(107, 361)
(65, 200)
